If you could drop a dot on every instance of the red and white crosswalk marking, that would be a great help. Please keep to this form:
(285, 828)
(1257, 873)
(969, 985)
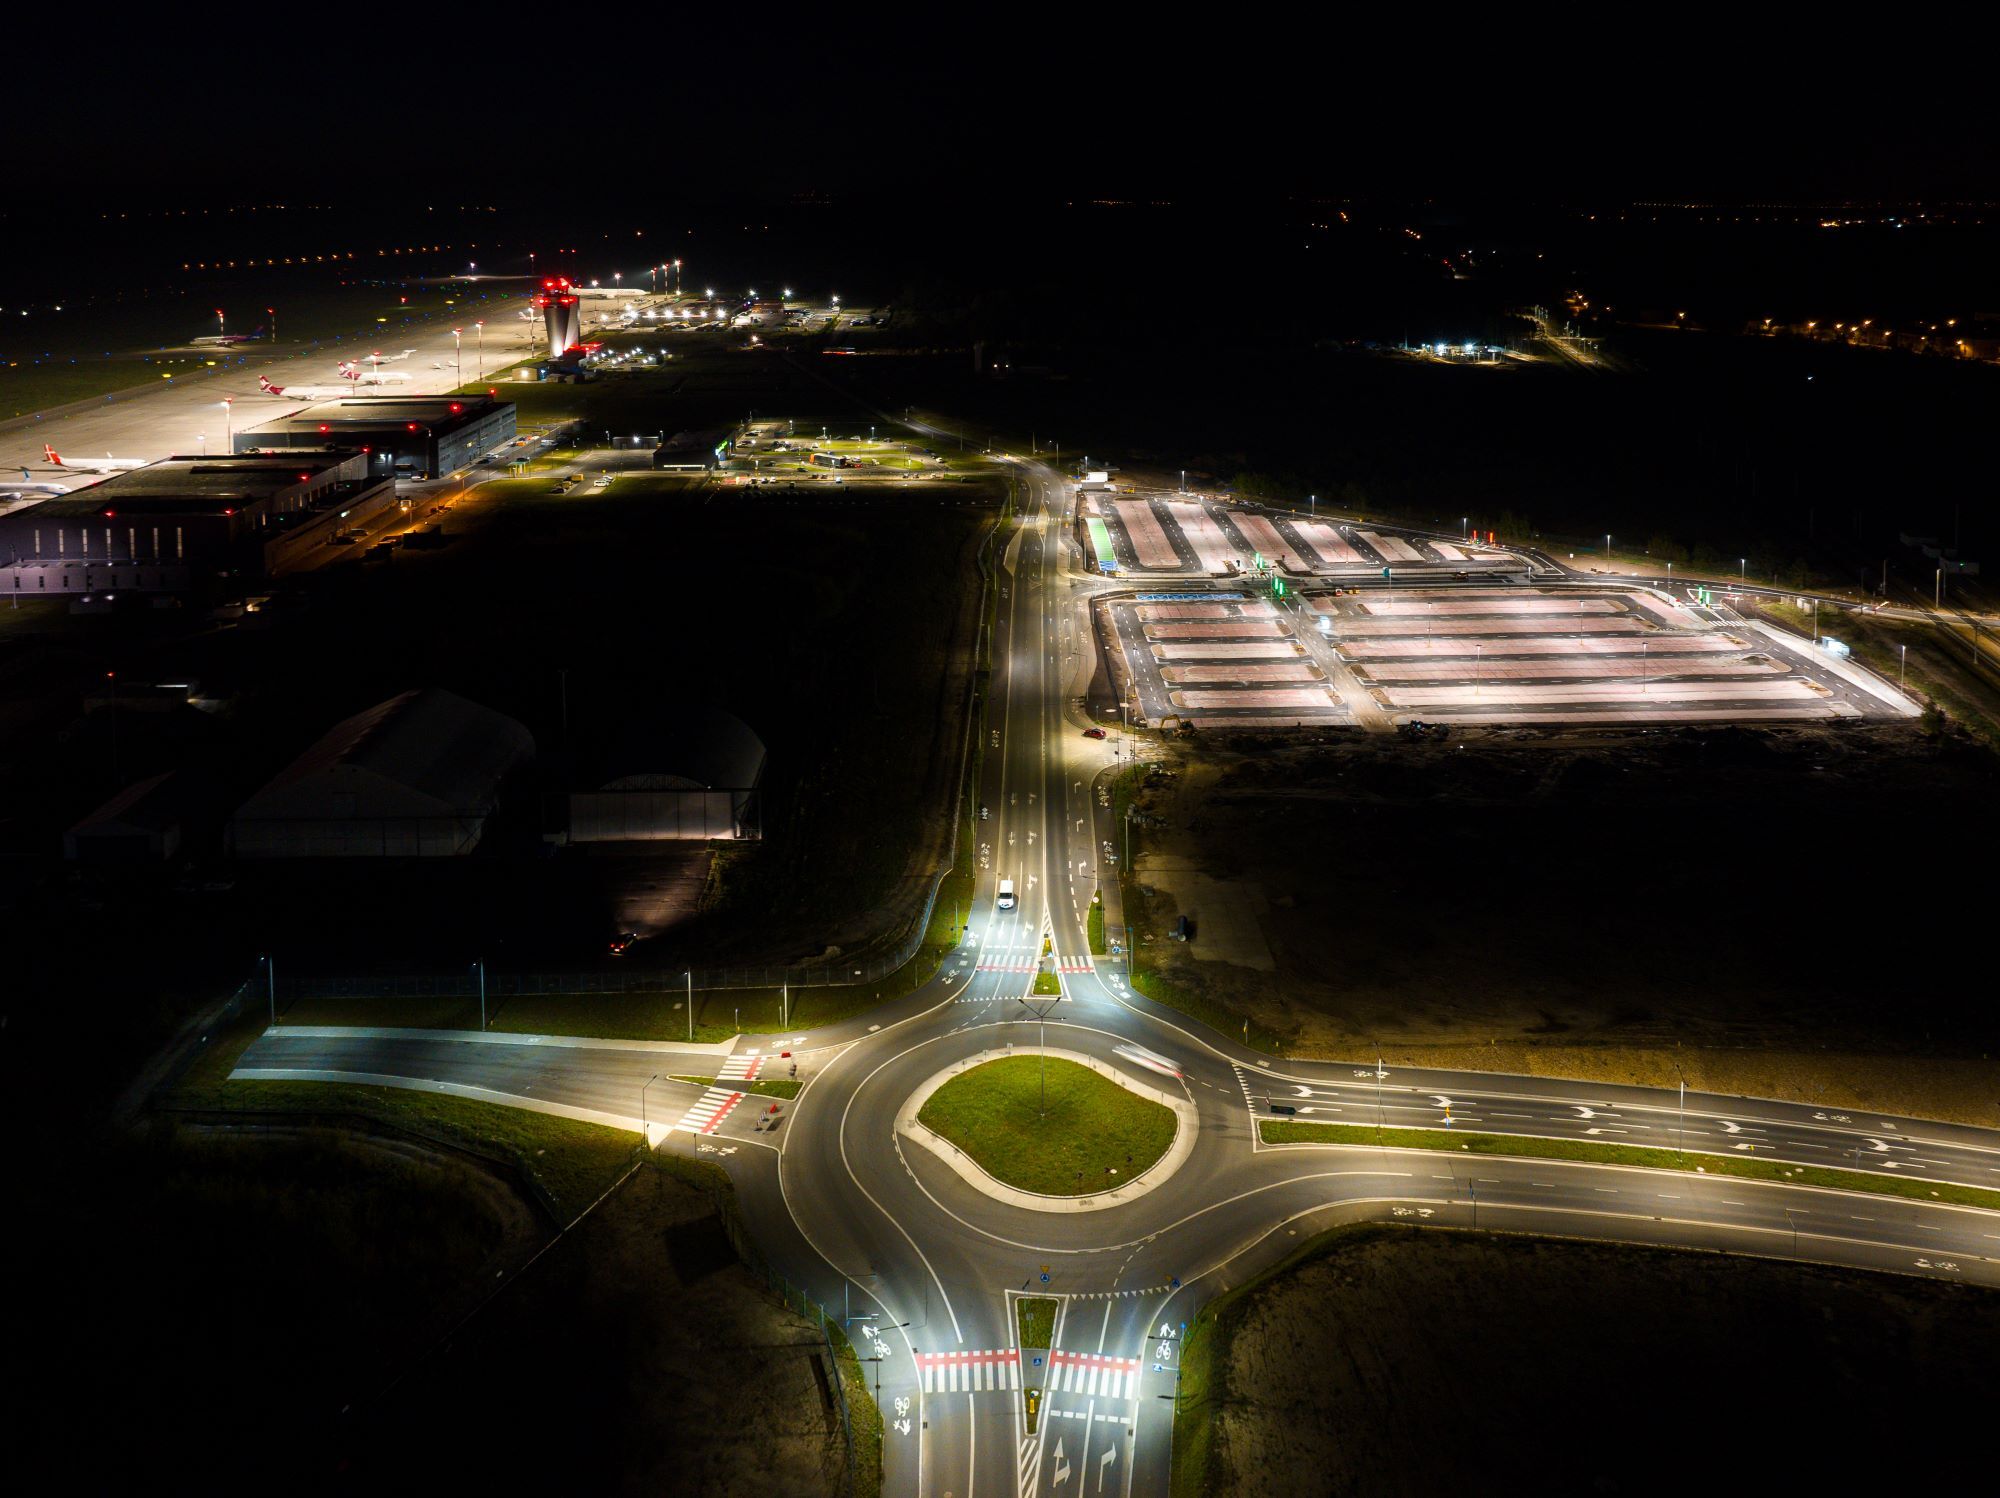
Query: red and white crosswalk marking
(743, 1068)
(1093, 1373)
(1028, 965)
(709, 1111)
(969, 1372)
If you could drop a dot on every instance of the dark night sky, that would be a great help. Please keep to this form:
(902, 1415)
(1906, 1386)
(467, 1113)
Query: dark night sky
(283, 100)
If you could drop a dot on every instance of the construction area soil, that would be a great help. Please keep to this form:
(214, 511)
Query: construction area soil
(637, 1356)
(1779, 912)
(1390, 1361)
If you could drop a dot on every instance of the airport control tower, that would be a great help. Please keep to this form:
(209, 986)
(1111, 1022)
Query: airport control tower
(561, 315)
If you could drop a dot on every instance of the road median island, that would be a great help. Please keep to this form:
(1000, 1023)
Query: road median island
(1092, 1135)
(1036, 1316)
(1285, 1131)
(776, 1087)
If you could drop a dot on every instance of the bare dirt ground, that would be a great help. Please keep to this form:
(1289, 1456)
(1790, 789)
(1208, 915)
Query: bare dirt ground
(638, 1356)
(1773, 912)
(1401, 1363)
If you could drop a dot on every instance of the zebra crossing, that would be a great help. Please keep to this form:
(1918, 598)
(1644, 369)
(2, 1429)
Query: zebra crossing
(1027, 964)
(709, 1110)
(1094, 1374)
(741, 1068)
(969, 1372)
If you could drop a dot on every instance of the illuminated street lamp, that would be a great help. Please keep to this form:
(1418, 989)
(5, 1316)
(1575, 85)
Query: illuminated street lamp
(228, 434)
(479, 329)
(455, 364)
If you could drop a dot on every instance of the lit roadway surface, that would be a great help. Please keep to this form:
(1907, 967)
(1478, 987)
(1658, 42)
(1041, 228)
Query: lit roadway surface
(860, 1218)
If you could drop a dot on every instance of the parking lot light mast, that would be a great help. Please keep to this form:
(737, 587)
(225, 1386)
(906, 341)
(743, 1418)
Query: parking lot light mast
(480, 968)
(479, 329)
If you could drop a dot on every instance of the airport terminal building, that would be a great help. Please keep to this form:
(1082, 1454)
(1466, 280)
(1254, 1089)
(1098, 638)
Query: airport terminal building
(403, 436)
(163, 527)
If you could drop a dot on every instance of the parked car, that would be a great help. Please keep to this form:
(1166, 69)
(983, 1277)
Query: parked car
(1093, 733)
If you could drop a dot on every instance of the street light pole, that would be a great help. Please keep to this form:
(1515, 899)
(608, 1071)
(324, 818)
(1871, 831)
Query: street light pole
(480, 332)
(271, 988)
(228, 430)
(690, 978)
(644, 1132)
(480, 966)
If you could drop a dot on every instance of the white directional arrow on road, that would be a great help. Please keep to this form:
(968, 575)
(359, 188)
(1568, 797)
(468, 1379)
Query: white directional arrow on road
(1104, 1461)
(1305, 1092)
(1062, 1465)
(1877, 1146)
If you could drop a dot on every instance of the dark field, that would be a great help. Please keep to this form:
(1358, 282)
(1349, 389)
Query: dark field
(1392, 1363)
(223, 1301)
(1752, 907)
(638, 1356)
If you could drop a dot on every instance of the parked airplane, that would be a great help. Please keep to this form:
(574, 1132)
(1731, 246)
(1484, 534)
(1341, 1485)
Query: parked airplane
(362, 376)
(29, 489)
(105, 464)
(304, 392)
(383, 358)
(226, 340)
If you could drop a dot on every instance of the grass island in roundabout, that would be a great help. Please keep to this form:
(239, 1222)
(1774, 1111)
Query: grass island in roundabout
(1091, 1135)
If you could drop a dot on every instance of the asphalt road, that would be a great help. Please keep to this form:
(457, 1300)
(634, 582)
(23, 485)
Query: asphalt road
(866, 1221)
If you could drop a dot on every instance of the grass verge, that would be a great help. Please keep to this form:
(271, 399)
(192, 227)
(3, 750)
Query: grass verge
(1036, 1315)
(1045, 983)
(1090, 1134)
(572, 1163)
(778, 1088)
(1284, 1131)
(1096, 929)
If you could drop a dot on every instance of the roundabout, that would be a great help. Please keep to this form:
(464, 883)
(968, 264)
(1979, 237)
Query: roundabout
(1054, 1131)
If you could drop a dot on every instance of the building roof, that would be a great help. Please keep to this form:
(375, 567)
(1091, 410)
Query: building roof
(371, 412)
(147, 805)
(425, 753)
(214, 485)
(686, 749)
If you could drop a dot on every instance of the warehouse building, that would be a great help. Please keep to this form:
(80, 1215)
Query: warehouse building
(681, 776)
(409, 436)
(418, 776)
(165, 526)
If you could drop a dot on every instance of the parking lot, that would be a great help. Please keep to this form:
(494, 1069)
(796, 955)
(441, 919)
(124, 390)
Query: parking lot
(1169, 534)
(1450, 653)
